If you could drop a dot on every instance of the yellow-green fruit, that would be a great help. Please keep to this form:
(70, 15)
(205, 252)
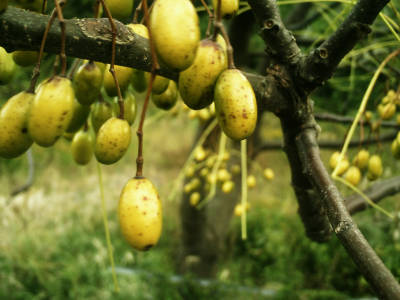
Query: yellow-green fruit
(167, 99)
(228, 7)
(396, 149)
(139, 29)
(51, 111)
(361, 159)
(79, 116)
(196, 83)
(334, 160)
(353, 175)
(69, 136)
(130, 108)
(3, 5)
(160, 84)
(7, 67)
(251, 181)
(101, 112)
(269, 174)
(175, 30)
(140, 213)
(194, 198)
(375, 168)
(221, 41)
(368, 116)
(14, 138)
(123, 74)
(235, 104)
(223, 175)
(200, 154)
(120, 9)
(25, 58)
(227, 186)
(82, 147)
(386, 111)
(88, 80)
(112, 141)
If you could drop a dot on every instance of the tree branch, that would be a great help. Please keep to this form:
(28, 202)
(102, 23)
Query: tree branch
(320, 64)
(280, 42)
(378, 191)
(370, 265)
(328, 117)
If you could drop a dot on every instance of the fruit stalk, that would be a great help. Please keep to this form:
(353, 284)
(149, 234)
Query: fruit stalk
(210, 18)
(60, 16)
(112, 70)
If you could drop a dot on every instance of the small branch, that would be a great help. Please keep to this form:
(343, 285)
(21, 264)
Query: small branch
(59, 4)
(377, 192)
(320, 64)
(280, 42)
(328, 117)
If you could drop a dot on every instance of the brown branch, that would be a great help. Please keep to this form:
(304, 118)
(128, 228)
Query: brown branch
(377, 192)
(369, 264)
(328, 117)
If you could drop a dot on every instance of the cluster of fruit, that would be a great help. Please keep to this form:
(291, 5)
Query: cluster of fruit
(362, 161)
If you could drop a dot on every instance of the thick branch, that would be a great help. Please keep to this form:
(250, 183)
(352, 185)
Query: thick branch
(280, 42)
(370, 265)
(378, 191)
(319, 65)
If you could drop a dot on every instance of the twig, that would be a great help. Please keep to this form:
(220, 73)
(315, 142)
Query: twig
(61, 20)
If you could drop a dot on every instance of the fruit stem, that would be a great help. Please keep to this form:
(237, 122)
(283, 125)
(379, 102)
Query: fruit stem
(44, 6)
(97, 9)
(36, 70)
(105, 222)
(112, 70)
(60, 16)
(210, 18)
(154, 67)
(73, 68)
(243, 158)
(137, 11)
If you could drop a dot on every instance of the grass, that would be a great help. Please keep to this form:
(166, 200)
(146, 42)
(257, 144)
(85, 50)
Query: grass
(53, 246)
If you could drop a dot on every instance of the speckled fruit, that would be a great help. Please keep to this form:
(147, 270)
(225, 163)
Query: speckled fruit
(25, 58)
(14, 138)
(140, 213)
(130, 108)
(196, 83)
(167, 99)
(123, 74)
(112, 141)
(375, 168)
(51, 111)
(82, 147)
(7, 67)
(235, 104)
(101, 112)
(160, 83)
(176, 32)
(88, 80)
(79, 116)
(228, 7)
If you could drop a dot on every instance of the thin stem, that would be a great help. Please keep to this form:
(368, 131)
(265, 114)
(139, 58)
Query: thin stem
(36, 70)
(97, 9)
(154, 67)
(137, 11)
(105, 222)
(60, 16)
(112, 70)
(210, 18)
(243, 159)
(44, 6)
(73, 68)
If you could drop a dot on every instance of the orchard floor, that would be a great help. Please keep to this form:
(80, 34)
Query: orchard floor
(53, 246)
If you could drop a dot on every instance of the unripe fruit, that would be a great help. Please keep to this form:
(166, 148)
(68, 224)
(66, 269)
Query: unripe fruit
(175, 28)
(223, 175)
(196, 83)
(361, 159)
(7, 67)
(375, 168)
(130, 108)
(353, 175)
(200, 154)
(396, 149)
(204, 172)
(120, 9)
(14, 138)
(251, 181)
(227, 186)
(334, 160)
(25, 58)
(235, 169)
(268, 174)
(101, 112)
(228, 7)
(194, 198)
(167, 99)
(79, 117)
(140, 213)
(190, 171)
(160, 83)
(235, 104)
(112, 141)
(123, 74)
(368, 116)
(82, 147)
(239, 209)
(51, 111)
(88, 80)
(386, 111)
(203, 114)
